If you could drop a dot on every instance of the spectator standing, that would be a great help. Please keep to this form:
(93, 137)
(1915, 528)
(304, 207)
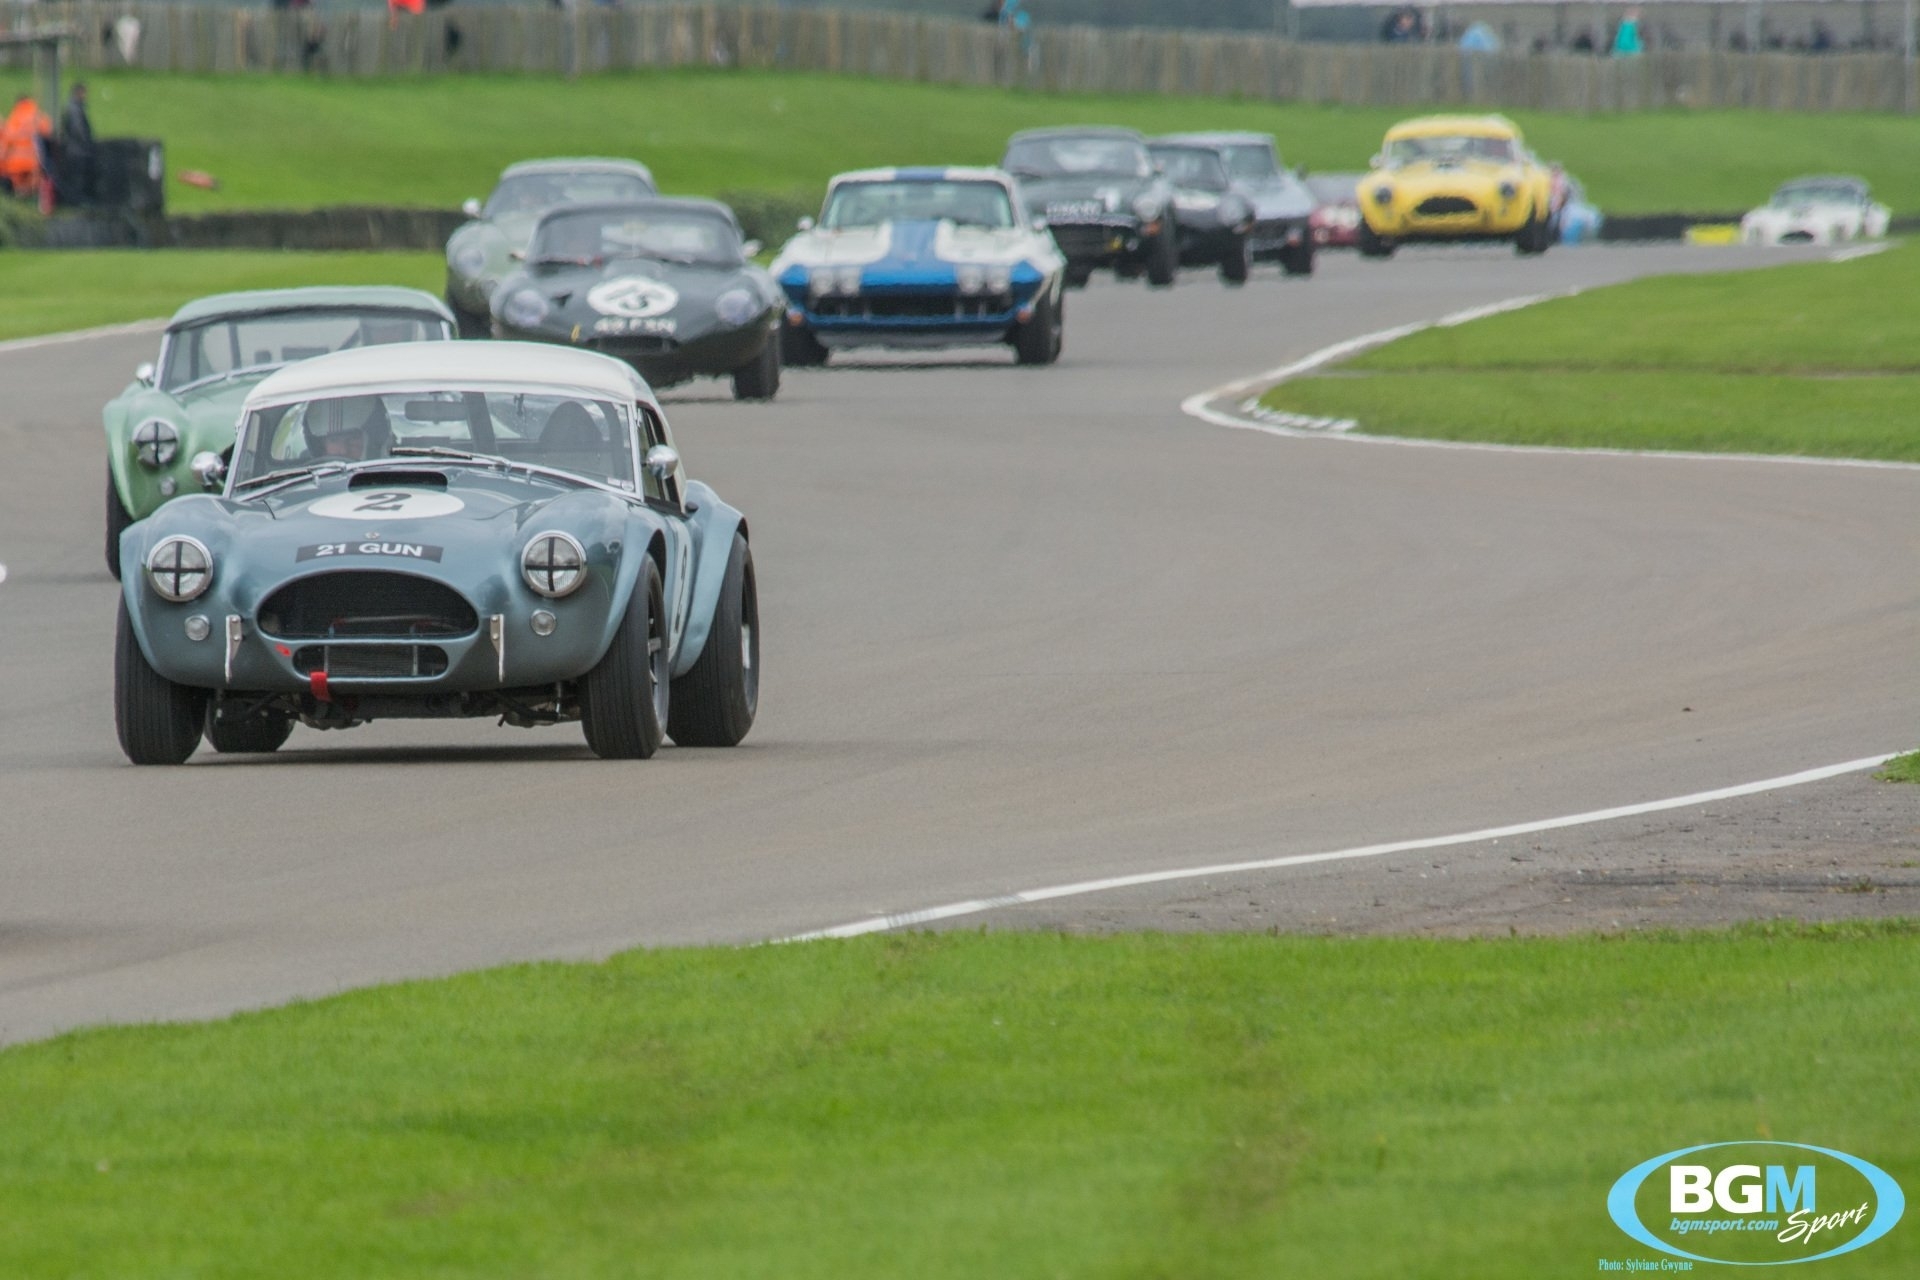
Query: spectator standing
(76, 146)
(1626, 41)
(23, 145)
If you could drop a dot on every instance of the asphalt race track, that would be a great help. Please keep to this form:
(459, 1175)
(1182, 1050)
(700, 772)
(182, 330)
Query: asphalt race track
(1022, 627)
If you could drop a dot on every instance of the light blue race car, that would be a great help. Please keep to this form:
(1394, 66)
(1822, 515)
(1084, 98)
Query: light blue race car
(922, 258)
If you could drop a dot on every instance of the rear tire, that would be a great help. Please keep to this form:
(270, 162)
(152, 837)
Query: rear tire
(158, 721)
(1078, 274)
(1041, 337)
(715, 702)
(759, 378)
(259, 733)
(1163, 259)
(1237, 265)
(624, 699)
(118, 518)
(799, 349)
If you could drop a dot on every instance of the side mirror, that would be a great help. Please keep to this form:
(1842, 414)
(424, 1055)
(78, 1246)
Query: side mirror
(470, 207)
(663, 464)
(1378, 162)
(143, 373)
(209, 469)
(751, 249)
(805, 224)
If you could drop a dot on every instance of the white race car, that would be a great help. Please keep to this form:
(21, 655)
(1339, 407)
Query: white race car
(1817, 211)
(922, 258)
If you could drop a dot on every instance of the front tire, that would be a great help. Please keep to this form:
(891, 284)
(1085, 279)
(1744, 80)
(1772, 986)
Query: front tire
(467, 324)
(1078, 274)
(1163, 259)
(1297, 260)
(1534, 237)
(1041, 337)
(624, 699)
(799, 349)
(118, 518)
(759, 378)
(257, 734)
(1237, 264)
(715, 702)
(1373, 244)
(157, 720)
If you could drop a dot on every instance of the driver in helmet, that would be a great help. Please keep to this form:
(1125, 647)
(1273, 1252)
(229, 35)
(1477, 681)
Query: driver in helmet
(348, 429)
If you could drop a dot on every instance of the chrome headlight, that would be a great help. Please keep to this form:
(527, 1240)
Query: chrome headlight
(525, 309)
(999, 280)
(180, 568)
(155, 442)
(830, 280)
(1147, 208)
(470, 260)
(971, 277)
(1383, 194)
(554, 564)
(736, 307)
(1508, 191)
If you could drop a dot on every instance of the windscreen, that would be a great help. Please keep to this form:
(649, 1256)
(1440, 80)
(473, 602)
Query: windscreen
(1192, 167)
(259, 342)
(1251, 160)
(1817, 193)
(526, 193)
(1078, 157)
(589, 237)
(868, 204)
(1456, 147)
(588, 437)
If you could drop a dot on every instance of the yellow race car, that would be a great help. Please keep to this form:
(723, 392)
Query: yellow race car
(1451, 178)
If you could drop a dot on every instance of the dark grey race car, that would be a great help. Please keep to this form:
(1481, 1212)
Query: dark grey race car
(1282, 204)
(667, 285)
(1102, 198)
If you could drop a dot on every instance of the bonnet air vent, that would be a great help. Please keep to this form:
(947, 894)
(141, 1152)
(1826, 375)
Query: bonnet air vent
(384, 479)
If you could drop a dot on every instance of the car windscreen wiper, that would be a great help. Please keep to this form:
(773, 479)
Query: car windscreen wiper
(288, 475)
(441, 451)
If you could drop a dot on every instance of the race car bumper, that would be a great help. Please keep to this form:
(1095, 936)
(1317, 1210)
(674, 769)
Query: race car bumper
(663, 359)
(1103, 242)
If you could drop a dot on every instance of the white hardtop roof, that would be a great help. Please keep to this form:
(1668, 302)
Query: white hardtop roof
(454, 366)
(928, 173)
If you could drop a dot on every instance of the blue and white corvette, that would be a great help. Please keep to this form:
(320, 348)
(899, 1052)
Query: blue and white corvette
(922, 258)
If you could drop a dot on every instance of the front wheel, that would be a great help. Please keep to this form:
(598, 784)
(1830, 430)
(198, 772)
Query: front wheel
(118, 518)
(715, 702)
(759, 378)
(158, 721)
(623, 700)
(1237, 263)
(799, 349)
(1078, 274)
(469, 324)
(1297, 259)
(1534, 237)
(1041, 337)
(1163, 259)
(1372, 244)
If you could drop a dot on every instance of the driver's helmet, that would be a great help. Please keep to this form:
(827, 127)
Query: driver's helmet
(350, 427)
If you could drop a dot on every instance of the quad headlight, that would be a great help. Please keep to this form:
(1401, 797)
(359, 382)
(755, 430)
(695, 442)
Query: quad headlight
(525, 309)
(470, 260)
(155, 442)
(180, 568)
(736, 306)
(831, 280)
(554, 564)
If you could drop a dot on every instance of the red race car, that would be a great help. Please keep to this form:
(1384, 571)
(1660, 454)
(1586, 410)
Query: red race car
(1336, 209)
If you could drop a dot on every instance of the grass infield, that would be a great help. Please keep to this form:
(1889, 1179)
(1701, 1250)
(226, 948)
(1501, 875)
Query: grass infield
(54, 291)
(1805, 359)
(1902, 768)
(291, 142)
(967, 1105)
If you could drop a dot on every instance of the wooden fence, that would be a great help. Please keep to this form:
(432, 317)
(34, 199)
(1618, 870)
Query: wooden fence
(545, 40)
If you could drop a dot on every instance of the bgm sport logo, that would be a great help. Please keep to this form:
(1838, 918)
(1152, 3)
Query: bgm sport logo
(1753, 1204)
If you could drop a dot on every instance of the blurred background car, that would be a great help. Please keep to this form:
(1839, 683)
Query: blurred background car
(1282, 204)
(1336, 209)
(1817, 210)
(1100, 195)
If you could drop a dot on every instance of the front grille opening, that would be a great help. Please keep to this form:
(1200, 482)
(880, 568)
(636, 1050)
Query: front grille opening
(372, 603)
(1435, 206)
(920, 306)
(370, 661)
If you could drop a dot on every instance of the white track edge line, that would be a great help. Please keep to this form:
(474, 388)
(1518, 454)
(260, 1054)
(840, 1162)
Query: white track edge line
(974, 906)
(81, 335)
(1200, 405)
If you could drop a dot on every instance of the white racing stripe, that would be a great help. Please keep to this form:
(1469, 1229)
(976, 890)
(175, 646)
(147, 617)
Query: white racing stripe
(81, 335)
(929, 915)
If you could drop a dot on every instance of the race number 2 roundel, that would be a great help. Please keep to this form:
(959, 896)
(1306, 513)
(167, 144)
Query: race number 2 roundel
(633, 298)
(386, 504)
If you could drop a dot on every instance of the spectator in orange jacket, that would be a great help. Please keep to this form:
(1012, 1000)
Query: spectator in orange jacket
(23, 143)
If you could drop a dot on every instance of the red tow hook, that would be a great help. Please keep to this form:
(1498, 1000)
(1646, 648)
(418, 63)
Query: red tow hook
(317, 682)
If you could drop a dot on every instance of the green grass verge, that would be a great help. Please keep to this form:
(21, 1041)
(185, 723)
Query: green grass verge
(53, 291)
(970, 1105)
(434, 141)
(1802, 359)
(1902, 768)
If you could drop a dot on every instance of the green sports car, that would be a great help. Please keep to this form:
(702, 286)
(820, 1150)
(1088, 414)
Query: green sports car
(214, 351)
